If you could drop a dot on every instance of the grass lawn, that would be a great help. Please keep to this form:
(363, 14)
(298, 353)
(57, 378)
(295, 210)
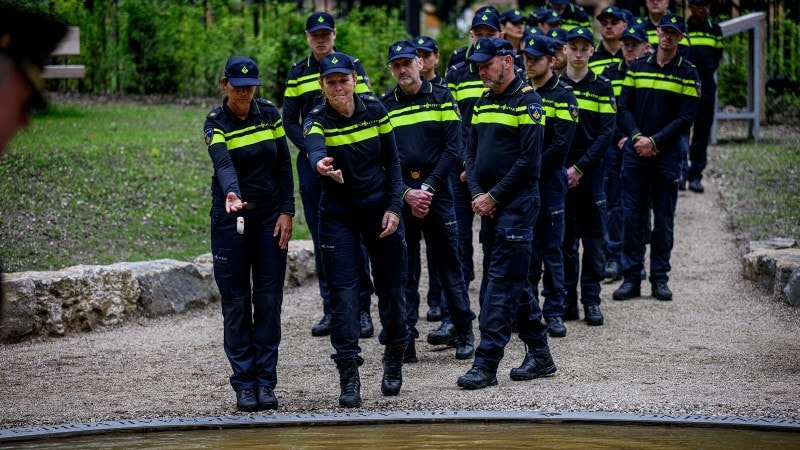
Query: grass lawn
(97, 182)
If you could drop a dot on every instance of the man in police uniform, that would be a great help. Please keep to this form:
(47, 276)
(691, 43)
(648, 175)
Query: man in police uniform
(585, 212)
(302, 94)
(609, 50)
(634, 45)
(26, 41)
(705, 52)
(559, 38)
(572, 15)
(561, 111)
(503, 158)
(658, 104)
(460, 54)
(427, 130)
(466, 86)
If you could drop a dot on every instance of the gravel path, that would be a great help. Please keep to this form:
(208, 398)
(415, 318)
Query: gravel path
(722, 347)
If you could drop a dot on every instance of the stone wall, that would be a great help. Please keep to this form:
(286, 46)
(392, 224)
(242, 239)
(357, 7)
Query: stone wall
(775, 265)
(87, 297)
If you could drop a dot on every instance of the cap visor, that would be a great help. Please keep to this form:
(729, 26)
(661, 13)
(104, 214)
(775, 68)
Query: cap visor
(343, 70)
(532, 52)
(673, 27)
(479, 58)
(403, 55)
(320, 27)
(237, 82)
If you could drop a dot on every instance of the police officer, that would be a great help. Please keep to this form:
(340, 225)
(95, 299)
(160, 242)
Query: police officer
(466, 86)
(351, 144)
(428, 51)
(26, 40)
(512, 25)
(301, 96)
(503, 157)
(585, 213)
(609, 51)
(658, 104)
(561, 111)
(460, 54)
(559, 38)
(705, 52)
(572, 15)
(634, 45)
(549, 20)
(252, 206)
(427, 128)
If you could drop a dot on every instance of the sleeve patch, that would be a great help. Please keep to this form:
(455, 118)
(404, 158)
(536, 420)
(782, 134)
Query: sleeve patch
(573, 111)
(307, 127)
(208, 135)
(535, 111)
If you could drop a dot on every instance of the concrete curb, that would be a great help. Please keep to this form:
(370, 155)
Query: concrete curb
(364, 418)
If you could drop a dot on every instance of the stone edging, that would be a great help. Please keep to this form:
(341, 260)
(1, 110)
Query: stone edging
(276, 420)
(775, 265)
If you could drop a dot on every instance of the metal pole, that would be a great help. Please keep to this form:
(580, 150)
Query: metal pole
(412, 17)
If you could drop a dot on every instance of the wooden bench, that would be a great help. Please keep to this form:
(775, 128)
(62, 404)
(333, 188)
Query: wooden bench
(69, 46)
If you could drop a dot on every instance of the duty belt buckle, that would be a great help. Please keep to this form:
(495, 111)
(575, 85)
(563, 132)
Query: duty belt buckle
(415, 174)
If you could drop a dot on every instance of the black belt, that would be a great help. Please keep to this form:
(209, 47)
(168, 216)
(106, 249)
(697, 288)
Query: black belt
(417, 174)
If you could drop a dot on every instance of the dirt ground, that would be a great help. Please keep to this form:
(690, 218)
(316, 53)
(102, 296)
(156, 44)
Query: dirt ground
(721, 347)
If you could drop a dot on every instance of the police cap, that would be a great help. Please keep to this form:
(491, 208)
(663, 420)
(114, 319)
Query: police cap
(614, 12)
(486, 18)
(580, 33)
(636, 33)
(558, 35)
(336, 63)
(27, 38)
(487, 48)
(426, 43)
(673, 21)
(540, 46)
(319, 20)
(402, 49)
(242, 71)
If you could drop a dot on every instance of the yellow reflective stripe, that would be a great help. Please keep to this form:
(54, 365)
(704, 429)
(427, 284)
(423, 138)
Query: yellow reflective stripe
(412, 115)
(218, 138)
(261, 135)
(502, 115)
(361, 86)
(557, 110)
(597, 66)
(350, 135)
(662, 82)
(707, 40)
(470, 89)
(594, 103)
(652, 36)
(302, 85)
(617, 86)
(385, 125)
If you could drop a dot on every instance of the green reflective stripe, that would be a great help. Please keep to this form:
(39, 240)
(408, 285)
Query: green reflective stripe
(501, 115)
(557, 110)
(361, 86)
(652, 36)
(260, 135)
(302, 85)
(617, 86)
(218, 138)
(705, 39)
(385, 126)
(360, 135)
(594, 103)
(597, 66)
(412, 115)
(651, 80)
(469, 89)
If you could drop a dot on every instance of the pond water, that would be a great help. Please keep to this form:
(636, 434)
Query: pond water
(434, 436)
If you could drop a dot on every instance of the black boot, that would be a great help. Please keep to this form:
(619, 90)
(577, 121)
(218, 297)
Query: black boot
(537, 363)
(410, 355)
(350, 383)
(446, 334)
(465, 344)
(392, 369)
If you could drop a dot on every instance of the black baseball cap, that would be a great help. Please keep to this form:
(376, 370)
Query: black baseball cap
(319, 20)
(402, 49)
(336, 63)
(487, 48)
(613, 11)
(580, 33)
(558, 35)
(426, 43)
(486, 18)
(673, 21)
(27, 37)
(540, 46)
(550, 16)
(636, 33)
(242, 71)
(512, 15)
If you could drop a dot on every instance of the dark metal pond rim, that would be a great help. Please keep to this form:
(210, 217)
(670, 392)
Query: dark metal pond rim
(365, 418)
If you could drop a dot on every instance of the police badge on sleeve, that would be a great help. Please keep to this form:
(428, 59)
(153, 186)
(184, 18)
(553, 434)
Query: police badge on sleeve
(536, 112)
(208, 135)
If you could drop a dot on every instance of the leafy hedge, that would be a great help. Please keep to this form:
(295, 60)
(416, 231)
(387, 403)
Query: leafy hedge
(167, 47)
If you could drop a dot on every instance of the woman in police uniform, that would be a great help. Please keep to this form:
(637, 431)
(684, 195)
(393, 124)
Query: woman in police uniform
(251, 223)
(351, 144)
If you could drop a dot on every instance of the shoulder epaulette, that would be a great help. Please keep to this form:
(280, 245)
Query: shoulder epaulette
(214, 112)
(526, 88)
(316, 109)
(602, 78)
(263, 101)
(458, 65)
(565, 85)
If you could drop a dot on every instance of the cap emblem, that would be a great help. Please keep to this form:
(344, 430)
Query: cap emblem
(244, 69)
(321, 19)
(608, 10)
(335, 60)
(579, 31)
(530, 42)
(484, 17)
(398, 48)
(673, 20)
(421, 41)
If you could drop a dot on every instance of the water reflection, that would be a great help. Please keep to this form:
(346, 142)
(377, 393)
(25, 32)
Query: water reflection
(435, 436)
